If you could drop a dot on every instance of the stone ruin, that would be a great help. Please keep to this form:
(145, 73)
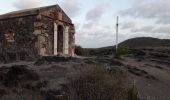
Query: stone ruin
(37, 32)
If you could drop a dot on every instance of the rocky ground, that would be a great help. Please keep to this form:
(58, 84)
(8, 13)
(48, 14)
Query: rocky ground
(150, 70)
(147, 68)
(42, 80)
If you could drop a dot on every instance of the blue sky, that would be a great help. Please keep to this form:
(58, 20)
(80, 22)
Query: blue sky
(95, 19)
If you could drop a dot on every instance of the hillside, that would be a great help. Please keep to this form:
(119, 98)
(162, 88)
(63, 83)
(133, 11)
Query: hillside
(139, 42)
(145, 42)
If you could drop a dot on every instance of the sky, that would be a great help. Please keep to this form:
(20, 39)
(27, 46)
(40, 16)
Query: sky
(95, 20)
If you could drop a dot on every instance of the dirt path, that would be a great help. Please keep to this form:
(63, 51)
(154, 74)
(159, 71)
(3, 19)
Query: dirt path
(152, 79)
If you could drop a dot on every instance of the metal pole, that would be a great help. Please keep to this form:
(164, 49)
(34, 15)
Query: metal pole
(117, 25)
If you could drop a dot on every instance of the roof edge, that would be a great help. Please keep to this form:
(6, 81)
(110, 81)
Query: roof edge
(25, 12)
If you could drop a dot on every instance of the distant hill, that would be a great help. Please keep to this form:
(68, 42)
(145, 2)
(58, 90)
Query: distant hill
(139, 42)
(145, 42)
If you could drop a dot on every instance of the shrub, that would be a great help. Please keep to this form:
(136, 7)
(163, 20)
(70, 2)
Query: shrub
(96, 83)
(80, 51)
(133, 93)
(121, 51)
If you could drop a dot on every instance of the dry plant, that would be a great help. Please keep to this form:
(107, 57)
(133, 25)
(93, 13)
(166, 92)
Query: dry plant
(97, 83)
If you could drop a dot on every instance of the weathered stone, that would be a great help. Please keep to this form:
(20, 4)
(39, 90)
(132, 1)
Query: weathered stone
(30, 33)
(37, 32)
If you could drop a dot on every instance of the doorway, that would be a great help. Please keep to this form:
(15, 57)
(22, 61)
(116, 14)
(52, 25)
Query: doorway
(60, 37)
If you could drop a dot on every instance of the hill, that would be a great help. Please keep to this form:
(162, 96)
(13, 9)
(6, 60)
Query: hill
(139, 42)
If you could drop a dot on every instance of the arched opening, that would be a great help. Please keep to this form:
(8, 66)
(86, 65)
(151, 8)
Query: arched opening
(60, 37)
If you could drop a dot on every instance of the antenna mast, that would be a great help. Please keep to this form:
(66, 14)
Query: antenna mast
(117, 26)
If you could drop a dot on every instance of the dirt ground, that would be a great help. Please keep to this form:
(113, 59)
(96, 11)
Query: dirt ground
(148, 69)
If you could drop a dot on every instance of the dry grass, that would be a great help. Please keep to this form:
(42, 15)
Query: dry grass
(97, 83)
(92, 82)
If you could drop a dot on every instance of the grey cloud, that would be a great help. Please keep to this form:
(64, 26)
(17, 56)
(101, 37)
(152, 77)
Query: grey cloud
(25, 4)
(93, 16)
(128, 25)
(145, 29)
(107, 27)
(134, 30)
(94, 38)
(71, 7)
(88, 25)
(164, 20)
(162, 29)
(77, 26)
(95, 13)
(91, 33)
(157, 32)
(152, 9)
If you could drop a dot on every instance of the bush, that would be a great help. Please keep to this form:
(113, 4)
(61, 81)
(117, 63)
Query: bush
(121, 51)
(133, 93)
(96, 83)
(80, 51)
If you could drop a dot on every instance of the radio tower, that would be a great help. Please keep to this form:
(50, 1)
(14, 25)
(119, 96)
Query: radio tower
(117, 25)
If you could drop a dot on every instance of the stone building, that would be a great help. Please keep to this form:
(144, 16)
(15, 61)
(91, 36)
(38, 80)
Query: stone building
(31, 33)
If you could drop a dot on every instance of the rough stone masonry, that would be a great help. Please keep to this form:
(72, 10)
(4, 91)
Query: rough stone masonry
(32, 33)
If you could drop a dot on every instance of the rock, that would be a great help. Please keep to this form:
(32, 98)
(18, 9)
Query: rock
(137, 52)
(54, 94)
(158, 55)
(115, 62)
(16, 74)
(2, 92)
(50, 59)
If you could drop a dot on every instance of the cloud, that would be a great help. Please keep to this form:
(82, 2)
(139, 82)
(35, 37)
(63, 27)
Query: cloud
(128, 25)
(93, 33)
(93, 16)
(107, 27)
(91, 24)
(88, 25)
(71, 7)
(77, 25)
(146, 29)
(164, 20)
(162, 32)
(94, 37)
(162, 29)
(96, 13)
(26, 4)
(150, 9)
(154, 18)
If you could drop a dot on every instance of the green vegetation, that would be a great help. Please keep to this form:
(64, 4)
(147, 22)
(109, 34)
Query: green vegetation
(80, 51)
(121, 51)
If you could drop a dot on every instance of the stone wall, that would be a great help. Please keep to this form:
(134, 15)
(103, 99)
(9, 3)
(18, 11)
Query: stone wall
(48, 29)
(72, 40)
(27, 37)
(51, 16)
(16, 38)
